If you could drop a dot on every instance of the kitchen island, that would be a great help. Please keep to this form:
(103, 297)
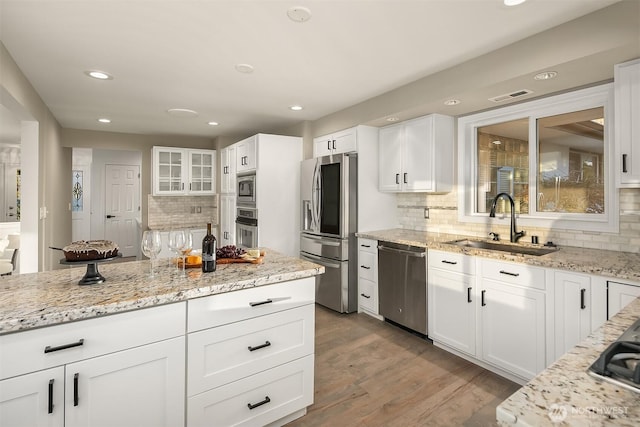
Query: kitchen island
(232, 346)
(565, 394)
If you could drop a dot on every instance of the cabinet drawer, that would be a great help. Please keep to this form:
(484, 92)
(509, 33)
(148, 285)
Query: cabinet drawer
(367, 245)
(217, 310)
(256, 400)
(221, 355)
(367, 266)
(37, 349)
(368, 295)
(516, 274)
(451, 261)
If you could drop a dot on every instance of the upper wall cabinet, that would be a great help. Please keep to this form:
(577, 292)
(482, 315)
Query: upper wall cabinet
(417, 155)
(247, 154)
(340, 142)
(627, 125)
(228, 172)
(183, 171)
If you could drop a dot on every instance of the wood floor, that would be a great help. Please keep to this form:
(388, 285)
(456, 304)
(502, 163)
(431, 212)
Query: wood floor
(371, 373)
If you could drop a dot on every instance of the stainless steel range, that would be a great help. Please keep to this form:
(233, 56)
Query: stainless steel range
(620, 362)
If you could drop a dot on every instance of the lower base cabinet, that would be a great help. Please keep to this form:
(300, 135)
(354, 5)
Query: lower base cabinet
(619, 295)
(257, 400)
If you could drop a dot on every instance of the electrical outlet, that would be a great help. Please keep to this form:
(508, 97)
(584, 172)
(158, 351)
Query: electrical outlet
(426, 213)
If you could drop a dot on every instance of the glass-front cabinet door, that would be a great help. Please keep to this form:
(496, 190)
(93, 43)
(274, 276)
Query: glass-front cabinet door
(168, 168)
(201, 171)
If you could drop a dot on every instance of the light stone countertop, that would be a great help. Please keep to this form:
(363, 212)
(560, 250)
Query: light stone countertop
(617, 265)
(564, 393)
(53, 297)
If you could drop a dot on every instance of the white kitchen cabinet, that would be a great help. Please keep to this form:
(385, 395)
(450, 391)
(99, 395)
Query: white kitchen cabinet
(228, 170)
(139, 387)
(251, 355)
(417, 155)
(619, 295)
(627, 125)
(227, 235)
(572, 310)
(452, 301)
(105, 372)
(368, 277)
(33, 400)
(513, 320)
(339, 142)
(182, 171)
(247, 154)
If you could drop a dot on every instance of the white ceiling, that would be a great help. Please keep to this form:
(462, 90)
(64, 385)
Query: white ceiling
(182, 54)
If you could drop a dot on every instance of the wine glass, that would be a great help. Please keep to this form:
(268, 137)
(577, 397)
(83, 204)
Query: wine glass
(186, 248)
(151, 246)
(176, 242)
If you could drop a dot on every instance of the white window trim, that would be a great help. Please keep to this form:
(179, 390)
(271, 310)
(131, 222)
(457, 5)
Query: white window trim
(558, 104)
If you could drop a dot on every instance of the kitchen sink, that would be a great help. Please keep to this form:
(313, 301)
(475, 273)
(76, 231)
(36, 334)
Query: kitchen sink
(493, 246)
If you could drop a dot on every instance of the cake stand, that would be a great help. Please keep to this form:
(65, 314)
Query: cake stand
(92, 276)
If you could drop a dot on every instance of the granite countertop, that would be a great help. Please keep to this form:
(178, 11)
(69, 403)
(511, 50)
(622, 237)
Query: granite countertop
(565, 394)
(53, 297)
(619, 265)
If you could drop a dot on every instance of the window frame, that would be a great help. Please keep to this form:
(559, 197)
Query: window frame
(583, 99)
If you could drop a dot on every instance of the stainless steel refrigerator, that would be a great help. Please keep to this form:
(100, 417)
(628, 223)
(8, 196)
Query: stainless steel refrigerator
(329, 203)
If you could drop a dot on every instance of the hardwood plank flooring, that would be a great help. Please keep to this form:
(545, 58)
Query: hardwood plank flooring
(370, 373)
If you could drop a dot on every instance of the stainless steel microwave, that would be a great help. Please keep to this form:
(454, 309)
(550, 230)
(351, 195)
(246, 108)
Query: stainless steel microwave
(246, 189)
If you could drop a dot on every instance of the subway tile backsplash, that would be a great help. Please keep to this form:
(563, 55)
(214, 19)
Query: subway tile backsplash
(165, 212)
(443, 218)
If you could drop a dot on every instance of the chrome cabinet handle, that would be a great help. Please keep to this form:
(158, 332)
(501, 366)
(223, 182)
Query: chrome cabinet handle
(255, 304)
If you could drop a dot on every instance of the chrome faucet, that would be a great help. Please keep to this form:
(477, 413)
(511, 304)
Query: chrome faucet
(514, 235)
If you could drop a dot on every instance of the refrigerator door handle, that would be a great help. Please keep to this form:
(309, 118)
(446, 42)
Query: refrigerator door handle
(324, 243)
(321, 260)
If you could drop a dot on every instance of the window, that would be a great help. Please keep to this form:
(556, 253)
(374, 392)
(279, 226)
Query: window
(553, 156)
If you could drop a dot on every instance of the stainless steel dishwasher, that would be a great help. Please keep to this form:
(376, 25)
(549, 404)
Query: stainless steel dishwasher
(402, 285)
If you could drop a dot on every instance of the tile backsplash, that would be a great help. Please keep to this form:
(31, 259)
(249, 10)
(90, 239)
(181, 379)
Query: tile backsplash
(443, 218)
(165, 212)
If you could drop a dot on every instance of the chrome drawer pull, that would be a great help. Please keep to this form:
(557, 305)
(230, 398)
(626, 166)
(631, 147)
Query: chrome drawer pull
(509, 273)
(254, 406)
(254, 304)
(444, 261)
(366, 296)
(49, 349)
(258, 347)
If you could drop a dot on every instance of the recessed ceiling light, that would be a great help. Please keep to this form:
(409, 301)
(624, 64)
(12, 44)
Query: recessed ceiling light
(296, 107)
(213, 123)
(182, 112)
(513, 2)
(299, 14)
(450, 102)
(545, 75)
(104, 120)
(392, 119)
(244, 68)
(100, 75)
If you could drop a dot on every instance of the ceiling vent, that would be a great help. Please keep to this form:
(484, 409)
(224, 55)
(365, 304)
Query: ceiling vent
(512, 95)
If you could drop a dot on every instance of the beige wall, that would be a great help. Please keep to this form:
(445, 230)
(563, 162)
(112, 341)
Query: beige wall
(53, 158)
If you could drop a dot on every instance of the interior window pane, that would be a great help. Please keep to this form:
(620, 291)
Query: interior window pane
(571, 162)
(503, 165)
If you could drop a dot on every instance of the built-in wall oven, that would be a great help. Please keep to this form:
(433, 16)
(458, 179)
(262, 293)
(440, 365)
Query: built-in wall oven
(246, 227)
(246, 189)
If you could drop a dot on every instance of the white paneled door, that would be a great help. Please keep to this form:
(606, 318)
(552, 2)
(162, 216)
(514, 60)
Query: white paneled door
(122, 206)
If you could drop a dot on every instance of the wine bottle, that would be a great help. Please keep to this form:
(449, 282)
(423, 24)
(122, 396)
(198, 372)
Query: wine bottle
(209, 251)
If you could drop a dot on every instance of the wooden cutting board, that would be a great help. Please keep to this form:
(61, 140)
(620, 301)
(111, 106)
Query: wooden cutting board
(241, 260)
